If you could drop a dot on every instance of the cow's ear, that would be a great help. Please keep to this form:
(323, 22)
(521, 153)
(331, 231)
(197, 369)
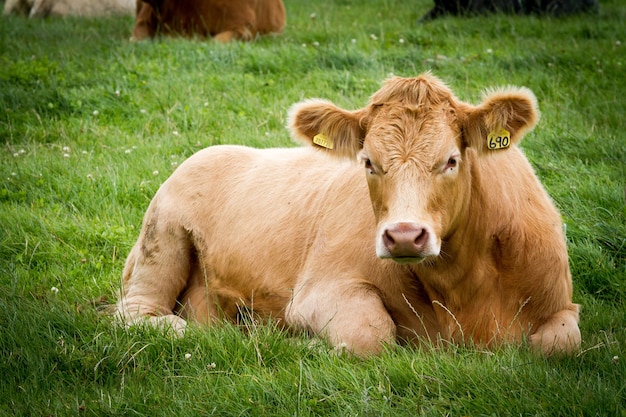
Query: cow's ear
(321, 124)
(502, 119)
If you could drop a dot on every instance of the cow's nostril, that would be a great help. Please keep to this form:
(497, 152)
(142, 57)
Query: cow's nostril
(422, 238)
(388, 239)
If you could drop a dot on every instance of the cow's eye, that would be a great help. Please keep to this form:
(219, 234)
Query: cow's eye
(451, 164)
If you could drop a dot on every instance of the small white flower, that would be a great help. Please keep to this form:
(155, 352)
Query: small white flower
(117, 93)
(66, 149)
(66, 155)
(401, 40)
(54, 290)
(175, 133)
(304, 45)
(353, 40)
(373, 37)
(128, 151)
(22, 151)
(16, 154)
(316, 44)
(143, 111)
(211, 365)
(313, 16)
(96, 112)
(155, 172)
(187, 356)
(206, 104)
(617, 43)
(14, 174)
(615, 359)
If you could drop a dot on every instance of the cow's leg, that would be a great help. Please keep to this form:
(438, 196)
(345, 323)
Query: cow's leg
(155, 274)
(350, 314)
(239, 24)
(146, 22)
(559, 334)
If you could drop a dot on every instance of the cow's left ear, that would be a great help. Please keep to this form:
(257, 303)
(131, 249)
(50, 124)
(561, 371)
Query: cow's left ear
(321, 124)
(502, 119)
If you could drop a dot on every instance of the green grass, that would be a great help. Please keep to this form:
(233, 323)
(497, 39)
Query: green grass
(91, 125)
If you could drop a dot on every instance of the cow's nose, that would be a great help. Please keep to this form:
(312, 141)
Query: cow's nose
(406, 240)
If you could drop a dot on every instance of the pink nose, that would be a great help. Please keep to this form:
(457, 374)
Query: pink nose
(406, 240)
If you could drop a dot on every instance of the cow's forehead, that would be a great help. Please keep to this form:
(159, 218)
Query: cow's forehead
(424, 134)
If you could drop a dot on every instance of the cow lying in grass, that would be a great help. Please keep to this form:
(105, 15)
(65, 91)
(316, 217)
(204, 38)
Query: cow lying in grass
(440, 231)
(223, 20)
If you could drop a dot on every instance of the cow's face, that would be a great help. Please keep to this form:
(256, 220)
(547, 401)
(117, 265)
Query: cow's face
(412, 157)
(413, 140)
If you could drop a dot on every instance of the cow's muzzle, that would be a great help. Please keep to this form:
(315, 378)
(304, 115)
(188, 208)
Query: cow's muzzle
(407, 242)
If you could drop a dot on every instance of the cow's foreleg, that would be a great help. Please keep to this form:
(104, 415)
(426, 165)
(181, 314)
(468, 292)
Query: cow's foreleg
(559, 334)
(350, 315)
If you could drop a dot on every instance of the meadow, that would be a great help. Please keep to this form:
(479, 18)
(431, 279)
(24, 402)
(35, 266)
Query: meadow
(91, 125)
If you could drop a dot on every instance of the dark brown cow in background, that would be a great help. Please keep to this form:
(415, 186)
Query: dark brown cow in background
(441, 231)
(521, 7)
(223, 20)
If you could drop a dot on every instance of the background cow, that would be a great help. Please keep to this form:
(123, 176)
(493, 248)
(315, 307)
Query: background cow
(223, 20)
(442, 229)
(548, 7)
(44, 8)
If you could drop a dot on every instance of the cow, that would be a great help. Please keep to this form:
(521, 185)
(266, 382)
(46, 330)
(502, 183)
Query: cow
(414, 219)
(83, 8)
(222, 20)
(520, 7)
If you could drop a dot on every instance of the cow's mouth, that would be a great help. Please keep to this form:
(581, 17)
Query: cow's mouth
(402, 260)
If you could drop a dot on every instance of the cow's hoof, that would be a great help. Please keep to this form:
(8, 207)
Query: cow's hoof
(171, 324)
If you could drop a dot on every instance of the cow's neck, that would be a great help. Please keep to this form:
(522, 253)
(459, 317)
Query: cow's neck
(461, 280)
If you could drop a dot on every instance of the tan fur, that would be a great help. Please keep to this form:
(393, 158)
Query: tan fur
(85, 8)
(18, 7)
(291, 233)
(223, 20)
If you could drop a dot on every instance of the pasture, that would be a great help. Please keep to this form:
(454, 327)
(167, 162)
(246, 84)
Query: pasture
(91, 125)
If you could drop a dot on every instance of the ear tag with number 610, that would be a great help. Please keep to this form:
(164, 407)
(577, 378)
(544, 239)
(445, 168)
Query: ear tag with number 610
(499, 139)
(323, 141)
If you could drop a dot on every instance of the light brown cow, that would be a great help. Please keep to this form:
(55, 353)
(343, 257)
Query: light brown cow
(223, 20)
(463, 243)
(84, 8)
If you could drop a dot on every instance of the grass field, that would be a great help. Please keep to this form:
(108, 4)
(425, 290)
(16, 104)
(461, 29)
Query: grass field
(90, 125)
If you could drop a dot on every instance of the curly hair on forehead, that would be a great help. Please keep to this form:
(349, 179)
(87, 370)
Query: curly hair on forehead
(420, 91)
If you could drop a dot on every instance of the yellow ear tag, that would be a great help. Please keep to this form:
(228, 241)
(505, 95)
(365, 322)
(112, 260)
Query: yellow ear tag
(499, 139)
(323, 140)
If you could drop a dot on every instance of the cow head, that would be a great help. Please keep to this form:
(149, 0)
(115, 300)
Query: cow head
(413, 140)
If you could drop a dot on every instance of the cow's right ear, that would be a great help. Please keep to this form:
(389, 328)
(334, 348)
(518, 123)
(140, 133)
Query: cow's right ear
(321, 124)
